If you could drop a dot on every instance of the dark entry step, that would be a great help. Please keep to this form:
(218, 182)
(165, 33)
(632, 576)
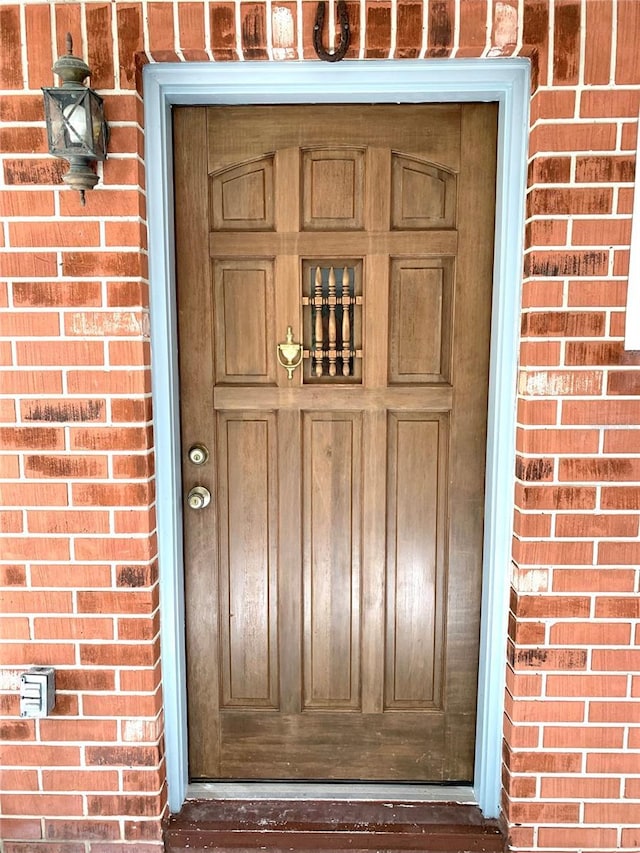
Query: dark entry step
(241, 826)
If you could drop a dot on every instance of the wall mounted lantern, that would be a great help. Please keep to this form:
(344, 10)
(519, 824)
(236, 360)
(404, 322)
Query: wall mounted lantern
(74, 115)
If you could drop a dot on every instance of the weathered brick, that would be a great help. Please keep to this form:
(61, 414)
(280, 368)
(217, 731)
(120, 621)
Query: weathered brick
(41, 293)
(114, 438)
(27, 264)
(378, 30)
(599, 469)
(191, 31)
(593, 737)
(564, 262)
(54, 234)
(130, 40)
(34, 171)
(117, 602)
(70, 467)
(45, 654)
(473, 28)
(566, 324)
(123, 294)
(546, 232)
(93, 264)
(612, 762)
(587, 686)
(604, 412)
(39, 521)
(628, 26)
(549, 170)
(566, 43)
(109, 381)
(118, 655)
(86, 830)
(121, 706)
(115, 548)
(15, 203)
(597, 59)
(78, 730)
(126, 756)
(596, 293)
(539, 353)
(36, 804)
(408, 30)
(11, 55)
(47, 353)
(85, 679)
(541, 762)
(598, 353)
(554, 497)
(605, 169)
(66, 628)
(580, 136)
(100, 45)
(223, 31)
(38, 41)
(140, 679)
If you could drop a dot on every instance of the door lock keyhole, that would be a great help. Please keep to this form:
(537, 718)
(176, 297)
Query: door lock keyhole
(198, 454)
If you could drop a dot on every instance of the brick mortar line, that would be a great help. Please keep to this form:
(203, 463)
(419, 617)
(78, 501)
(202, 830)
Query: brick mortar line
(576, 750)
(555, 153)
(69, 219)
(586, 121)
(41, 123)
(567, 540)
(578, 185)
(578, 217)
(601, 88)
(582, 45)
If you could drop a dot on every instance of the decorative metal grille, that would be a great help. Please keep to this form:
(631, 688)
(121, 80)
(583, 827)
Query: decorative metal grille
(332, 306)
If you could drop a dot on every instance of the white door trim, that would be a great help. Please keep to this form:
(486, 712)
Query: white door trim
(503, 80)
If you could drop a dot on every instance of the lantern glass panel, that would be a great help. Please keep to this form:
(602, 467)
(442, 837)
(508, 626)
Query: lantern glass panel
(75, 123)
(99, 132)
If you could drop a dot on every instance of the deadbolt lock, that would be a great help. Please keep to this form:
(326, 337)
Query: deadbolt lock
(199, 497)
(198, 454)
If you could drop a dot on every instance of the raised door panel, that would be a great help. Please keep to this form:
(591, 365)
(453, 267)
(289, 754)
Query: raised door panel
(241, 197)
(332, 485)
(244, 305)
(423, 196)
(416, 531)
(332, 189)
(420, 320)
(247, 501)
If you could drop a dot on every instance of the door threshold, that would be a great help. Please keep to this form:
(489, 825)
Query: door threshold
(332, 791)
(349, 825)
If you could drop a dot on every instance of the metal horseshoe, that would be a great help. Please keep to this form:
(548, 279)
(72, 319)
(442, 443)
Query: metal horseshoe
(345, 34)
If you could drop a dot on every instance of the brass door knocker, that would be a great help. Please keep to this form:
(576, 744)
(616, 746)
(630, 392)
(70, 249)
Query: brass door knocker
(345, 34)
(290, 354)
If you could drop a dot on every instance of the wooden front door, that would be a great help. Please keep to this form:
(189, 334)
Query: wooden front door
(333, 581)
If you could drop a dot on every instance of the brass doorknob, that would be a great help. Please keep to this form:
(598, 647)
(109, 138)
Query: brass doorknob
(199, 497)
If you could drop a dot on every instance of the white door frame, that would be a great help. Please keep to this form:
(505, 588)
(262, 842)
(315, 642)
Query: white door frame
(503, 80)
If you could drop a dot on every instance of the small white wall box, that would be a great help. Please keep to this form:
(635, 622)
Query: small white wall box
(37, 691)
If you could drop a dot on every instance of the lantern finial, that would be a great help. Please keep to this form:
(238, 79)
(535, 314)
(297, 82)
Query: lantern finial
(71, 69)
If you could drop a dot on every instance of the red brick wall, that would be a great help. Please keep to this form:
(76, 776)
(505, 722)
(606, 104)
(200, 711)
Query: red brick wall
(78, 574)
